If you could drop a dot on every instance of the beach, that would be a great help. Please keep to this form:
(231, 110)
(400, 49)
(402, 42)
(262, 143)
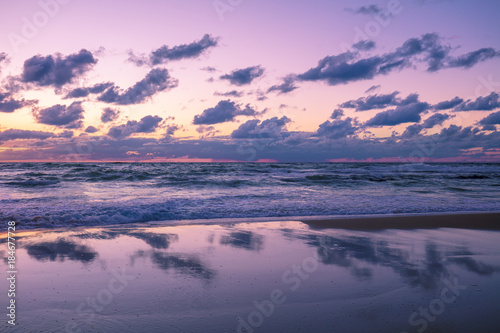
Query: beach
(279, 276)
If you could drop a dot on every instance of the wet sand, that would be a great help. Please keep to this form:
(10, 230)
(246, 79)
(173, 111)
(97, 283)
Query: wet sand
(483, 221)
(284, 276)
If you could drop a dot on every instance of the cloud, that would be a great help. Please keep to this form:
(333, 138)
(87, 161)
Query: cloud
(337, 114)
(65, 134)
(91, 129)
(491, 119)
(435, 119)
(470, 59)
(412, 131)
(285, 146)
(486, 103)
(428, 49)
(366, 10)
(364, 45)
(337, 129)
(415, 129)
(9, 104)
(60, 115)
(147, 124)
(405, 113)
(372, 88)
(185, 51)
(232, 93)
(243, 76)
(84, 92)
(373, 102)
(171, 129)
(446, 105)
(338, 70)
(209, 69)
(269, 128)
(14, 134)
(225, 110)
(158, 79)
(3, 59)
(57, 70)
(287, 86)
(109, 114)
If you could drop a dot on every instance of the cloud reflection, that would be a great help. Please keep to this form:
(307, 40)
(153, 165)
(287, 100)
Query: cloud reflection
(60, 250)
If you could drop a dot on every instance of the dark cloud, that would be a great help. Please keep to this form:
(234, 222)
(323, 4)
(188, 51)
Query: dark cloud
(269, 128)
(147, 124)
(406, 113)
(232, 93)
(109, 114)
(209, 69)
(225, 110)
(446, 105)
(338, 70)
(337, 128)
(373, 102)
(286, 147)
(435, 119)
(14, 134)
(57, 70)
(91, 129)
(84, 92)
(243, 76)
(491, 119)
(185, 51)
(337, 114)
(65, 134)
(61, 115)
(367, 10)
(372, 88)
(3, 59)
(287, 86)
(428, 49)
(486, 103)
(158, 79)
(489, 128)
(470, 59)
(364, 45)
(9, 104)
(412, 131)
(171, 129)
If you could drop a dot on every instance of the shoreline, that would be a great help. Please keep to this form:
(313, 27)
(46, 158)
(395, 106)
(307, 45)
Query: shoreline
(469, 220)
(481, 220)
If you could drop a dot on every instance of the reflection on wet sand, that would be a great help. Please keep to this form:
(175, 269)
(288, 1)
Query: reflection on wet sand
(202, 278)
(186, 264)
(427, 272)
(61, 250)
(243, 239)
(157, 241)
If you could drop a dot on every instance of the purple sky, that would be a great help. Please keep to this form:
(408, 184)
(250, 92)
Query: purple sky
(231, 80)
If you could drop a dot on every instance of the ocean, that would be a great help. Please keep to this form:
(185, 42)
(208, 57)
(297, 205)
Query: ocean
(44, 195)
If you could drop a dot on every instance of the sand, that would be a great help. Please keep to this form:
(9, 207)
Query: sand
(282, 276)
(483, 221)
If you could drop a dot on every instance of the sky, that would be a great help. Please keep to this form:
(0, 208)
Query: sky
(250, 80)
